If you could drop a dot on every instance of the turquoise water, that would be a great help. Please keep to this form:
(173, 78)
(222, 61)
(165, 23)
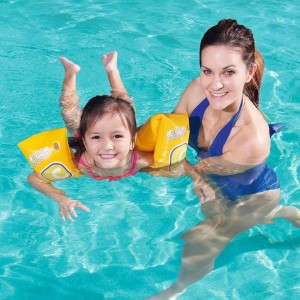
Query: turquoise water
(127, 247)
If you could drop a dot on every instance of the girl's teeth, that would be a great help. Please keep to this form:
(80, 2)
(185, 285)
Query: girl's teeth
(107, 155)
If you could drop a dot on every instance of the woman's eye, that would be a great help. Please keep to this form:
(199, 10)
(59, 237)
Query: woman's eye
(206, 72)
(96, 137)
(228, 72)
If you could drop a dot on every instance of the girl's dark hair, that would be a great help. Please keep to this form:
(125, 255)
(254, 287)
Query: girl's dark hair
(99, 106)
(229, 33)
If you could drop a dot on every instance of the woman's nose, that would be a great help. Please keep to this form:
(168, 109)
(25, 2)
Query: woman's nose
(217, 83)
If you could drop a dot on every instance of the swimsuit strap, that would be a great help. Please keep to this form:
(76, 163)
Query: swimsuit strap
(195, 120)
(131, 172)
(216, 148)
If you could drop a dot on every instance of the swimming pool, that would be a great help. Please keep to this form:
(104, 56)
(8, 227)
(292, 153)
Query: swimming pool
(127, 247)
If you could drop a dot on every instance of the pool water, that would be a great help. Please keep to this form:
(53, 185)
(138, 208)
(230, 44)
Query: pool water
(128, 246)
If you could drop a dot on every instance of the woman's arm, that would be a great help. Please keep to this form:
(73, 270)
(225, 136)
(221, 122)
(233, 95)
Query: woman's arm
(66, 205)
(202, 187)
(190, 98)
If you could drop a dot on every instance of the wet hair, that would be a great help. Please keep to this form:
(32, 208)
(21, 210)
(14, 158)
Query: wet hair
(99, 106)
(229, 33)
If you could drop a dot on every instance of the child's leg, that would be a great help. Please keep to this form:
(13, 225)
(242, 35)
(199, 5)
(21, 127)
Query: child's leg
(71, 69)
(117, 87)
(70, 112)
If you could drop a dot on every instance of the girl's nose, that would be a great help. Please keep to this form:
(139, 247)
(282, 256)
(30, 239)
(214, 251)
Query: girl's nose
(107, 144)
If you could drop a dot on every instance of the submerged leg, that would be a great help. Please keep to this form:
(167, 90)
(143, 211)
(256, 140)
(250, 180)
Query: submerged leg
(289, 213)
(202, 245)
(204, 242)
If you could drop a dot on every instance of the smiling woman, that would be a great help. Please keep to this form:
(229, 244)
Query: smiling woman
(231, 75)
(232, 141)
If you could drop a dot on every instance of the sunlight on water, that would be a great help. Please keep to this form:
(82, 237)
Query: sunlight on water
(128, 246)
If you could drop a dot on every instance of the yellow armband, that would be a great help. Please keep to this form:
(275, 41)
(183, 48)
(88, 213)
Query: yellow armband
(166, 135)
(49, 154)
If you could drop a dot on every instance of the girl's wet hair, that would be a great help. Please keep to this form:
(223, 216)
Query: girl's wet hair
(229, 33)
(99, 106)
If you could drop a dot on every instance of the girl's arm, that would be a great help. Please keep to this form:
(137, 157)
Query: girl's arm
(66, 205)
(117, 87)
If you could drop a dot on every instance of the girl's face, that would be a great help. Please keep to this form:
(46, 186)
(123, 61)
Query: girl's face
(223, 75)
(108, 142)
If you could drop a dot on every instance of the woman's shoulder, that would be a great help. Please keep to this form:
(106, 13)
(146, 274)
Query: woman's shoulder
(250, 143)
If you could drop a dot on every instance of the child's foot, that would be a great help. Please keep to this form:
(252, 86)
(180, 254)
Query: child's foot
(70, 67)
(109, 61)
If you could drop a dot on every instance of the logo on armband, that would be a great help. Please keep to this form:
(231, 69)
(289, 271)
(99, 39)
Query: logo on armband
(56, 171)
(39, 156)
(176, 133)
(178, 153)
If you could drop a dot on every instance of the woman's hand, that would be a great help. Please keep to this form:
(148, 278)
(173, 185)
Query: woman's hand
(204, 191)
(202, 188)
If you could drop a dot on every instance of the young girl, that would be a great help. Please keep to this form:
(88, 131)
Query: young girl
(106, 130)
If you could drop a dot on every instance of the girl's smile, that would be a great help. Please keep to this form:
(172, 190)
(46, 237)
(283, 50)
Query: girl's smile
(108, 143)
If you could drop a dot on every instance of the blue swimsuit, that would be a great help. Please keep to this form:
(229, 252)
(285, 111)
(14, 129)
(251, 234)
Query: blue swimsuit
(257, 179)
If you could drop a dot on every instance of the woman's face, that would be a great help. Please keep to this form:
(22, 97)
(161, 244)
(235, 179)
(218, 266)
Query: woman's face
(223, 75)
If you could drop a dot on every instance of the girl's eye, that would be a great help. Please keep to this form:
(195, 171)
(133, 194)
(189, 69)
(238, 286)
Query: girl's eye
(96, 137)
(118, 136)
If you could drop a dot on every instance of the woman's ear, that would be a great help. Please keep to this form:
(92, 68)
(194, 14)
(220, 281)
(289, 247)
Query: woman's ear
(251, 71)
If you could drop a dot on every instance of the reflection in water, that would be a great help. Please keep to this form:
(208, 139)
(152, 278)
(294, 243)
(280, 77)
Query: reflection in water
(225, 219)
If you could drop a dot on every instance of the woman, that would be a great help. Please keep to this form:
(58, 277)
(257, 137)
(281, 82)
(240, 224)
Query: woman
(232, 140)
